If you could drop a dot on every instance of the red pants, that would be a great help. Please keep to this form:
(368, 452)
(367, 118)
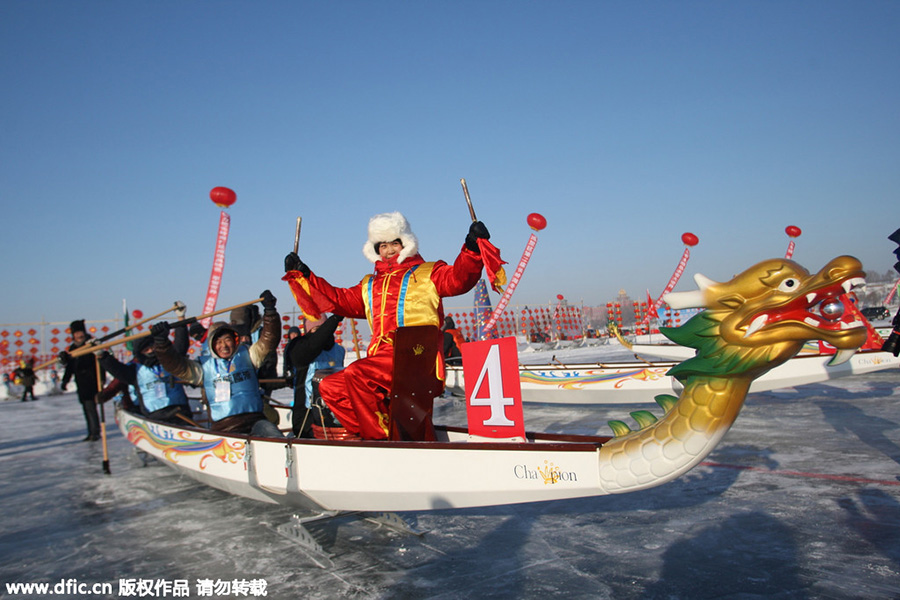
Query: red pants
(357, 395)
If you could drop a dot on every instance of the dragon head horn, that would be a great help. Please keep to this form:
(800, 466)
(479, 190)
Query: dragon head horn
(693, 299)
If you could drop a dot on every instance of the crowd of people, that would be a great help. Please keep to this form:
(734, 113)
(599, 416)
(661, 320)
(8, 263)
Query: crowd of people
(236, 367)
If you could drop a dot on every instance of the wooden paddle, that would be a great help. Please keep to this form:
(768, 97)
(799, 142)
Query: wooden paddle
(190, 422)
(468, 200)
(81, 351)
(102, 417)
(110, 336)
(355, 337)
(297, 235)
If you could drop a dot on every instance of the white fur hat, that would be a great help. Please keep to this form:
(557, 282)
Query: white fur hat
(388, 227)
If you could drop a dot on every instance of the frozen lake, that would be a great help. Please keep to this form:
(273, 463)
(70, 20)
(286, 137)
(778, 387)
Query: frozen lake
(800, 500)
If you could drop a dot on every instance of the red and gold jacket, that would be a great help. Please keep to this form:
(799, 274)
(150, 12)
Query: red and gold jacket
(396, 295)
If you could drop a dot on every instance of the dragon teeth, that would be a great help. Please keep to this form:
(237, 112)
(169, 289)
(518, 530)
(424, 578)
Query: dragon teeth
(853, 283)
(841, 357)
(811, 298)
(811, 322)
(757, 324)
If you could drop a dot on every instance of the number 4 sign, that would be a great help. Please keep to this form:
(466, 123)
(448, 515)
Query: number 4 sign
(493, 391)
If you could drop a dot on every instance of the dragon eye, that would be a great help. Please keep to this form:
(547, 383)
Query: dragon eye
(788, 285)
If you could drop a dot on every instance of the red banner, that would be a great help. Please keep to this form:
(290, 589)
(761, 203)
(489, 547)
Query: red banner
(493, 390)
(891, 293)
(669, 286)
(215, 278)
(504, 300)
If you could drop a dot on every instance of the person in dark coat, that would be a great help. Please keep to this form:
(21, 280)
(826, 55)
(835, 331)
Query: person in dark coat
(452, 341)
(84, 369)
(25, 374)
(227, 372)
(160, 396)
(304, 352)
(247, 322)
(287, 367)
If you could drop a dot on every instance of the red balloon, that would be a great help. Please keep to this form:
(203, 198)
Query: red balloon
(689, 239)
(537, 221)
(792, 231)
(137, 314)
(222, 196)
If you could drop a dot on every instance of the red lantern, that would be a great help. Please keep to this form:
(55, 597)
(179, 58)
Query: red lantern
(689, 239)
(54, 331)
(222, 196)
(792, 231)
(137, 314)
(537, 221)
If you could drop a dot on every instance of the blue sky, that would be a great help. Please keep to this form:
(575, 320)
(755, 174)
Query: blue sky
(625, 124)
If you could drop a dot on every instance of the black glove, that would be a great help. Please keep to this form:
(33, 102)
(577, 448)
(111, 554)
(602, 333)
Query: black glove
(476, 230)
(160, 332)
(292, 262)
(268, 302)
(197, 331)
(64, 358)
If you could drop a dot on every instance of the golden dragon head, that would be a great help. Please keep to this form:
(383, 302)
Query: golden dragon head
(763, 316)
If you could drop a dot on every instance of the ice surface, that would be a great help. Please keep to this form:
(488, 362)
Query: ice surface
(764, 517)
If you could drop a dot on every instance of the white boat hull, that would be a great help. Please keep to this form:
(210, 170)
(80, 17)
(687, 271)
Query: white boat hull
(375, 476)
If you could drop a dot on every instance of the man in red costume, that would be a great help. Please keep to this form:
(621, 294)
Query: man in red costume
(405, 290)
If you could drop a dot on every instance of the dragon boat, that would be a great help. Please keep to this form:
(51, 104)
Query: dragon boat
(752, 324)
(636, 382)
(639, 381)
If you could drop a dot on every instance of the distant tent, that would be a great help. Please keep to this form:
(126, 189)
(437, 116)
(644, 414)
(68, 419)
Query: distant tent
(483, 311)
